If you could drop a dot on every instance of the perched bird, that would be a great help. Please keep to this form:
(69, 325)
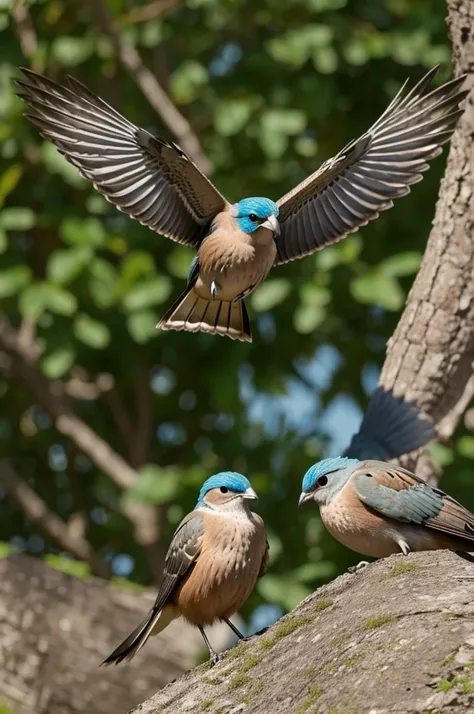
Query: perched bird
(378, 509)
(217, 553)
(375, 508)
(237, 244)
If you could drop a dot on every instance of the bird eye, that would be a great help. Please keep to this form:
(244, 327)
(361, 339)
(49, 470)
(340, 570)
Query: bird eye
(253, 217)
(224, 489)
(322, 480)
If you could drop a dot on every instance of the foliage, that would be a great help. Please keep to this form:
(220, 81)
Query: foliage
(271, 92)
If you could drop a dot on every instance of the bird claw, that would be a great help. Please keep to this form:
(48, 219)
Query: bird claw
(359, 566)
(214, 289)
(215, 658)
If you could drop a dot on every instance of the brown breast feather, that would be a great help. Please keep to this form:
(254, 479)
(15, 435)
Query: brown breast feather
(226, 571)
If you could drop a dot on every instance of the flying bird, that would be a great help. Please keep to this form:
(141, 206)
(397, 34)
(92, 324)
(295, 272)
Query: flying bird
(217, 553)
(237, 244)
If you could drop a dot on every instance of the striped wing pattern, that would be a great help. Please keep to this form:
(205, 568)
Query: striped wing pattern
(147, 178)
(403, 496)
(353, 187)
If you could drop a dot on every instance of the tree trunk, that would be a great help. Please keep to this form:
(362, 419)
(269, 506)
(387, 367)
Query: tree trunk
(394, 638)
(430, 356)
(55, 630)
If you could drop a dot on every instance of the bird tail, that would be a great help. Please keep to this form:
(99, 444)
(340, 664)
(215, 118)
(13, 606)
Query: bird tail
(154, 622)
(195, 314)
(391, 427)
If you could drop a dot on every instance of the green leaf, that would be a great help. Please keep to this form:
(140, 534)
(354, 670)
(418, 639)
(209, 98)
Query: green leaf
(91, 332)
(355, 51)
(232, 115)
(179, 260)
(136, 265)
(466, 446)
(155, 485)
(65, 266)
(59, 300)
(17, 219)
(442, 454)
(187, 81)
(38, 297)
(325, 60)
(282, 590)
(283, 121)
(401, 264)
(13, 279)
(151, 292)
(152, 33)
(347, 251)
(71, 51)
(103, 283)
(57, 363)
(312, 312)
(270, 294)
(3, 241)
(297, 46)
(308, 317)
(376, 288)
(9, 180)
(83, 232)
(142, 325)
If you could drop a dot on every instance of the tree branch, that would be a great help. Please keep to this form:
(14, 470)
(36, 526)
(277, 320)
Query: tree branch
(25, 30)
(148, 12)
(50, 523)
(51, 396)
(151, 88)
(56, 629)
(430, 356)
(332, 654)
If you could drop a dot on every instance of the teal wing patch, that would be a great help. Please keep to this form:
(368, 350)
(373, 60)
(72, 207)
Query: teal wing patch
(415, 503)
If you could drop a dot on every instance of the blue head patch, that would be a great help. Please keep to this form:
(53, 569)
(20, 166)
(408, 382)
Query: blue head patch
(252, 212)
(326, 466)
(229, 479)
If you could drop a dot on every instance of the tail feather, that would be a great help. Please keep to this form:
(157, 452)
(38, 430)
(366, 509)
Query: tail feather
(195, 314)
(154, 622)
(391, 427)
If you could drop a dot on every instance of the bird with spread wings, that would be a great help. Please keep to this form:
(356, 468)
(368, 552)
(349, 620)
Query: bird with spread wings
(237, 244)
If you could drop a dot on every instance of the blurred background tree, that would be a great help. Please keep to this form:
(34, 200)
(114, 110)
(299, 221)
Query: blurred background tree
(263, 93)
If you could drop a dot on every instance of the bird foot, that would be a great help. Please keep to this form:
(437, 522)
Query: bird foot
(215, 658)
(214, 289)
(359, 566)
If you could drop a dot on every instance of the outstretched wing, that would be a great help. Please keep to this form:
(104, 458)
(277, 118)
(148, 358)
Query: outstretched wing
(147, 178)
(350, 189)
(402, 496)
(182, 554)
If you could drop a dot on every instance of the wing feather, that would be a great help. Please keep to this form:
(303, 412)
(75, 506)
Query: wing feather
(403, 496)
(150, 179)
(351, 189)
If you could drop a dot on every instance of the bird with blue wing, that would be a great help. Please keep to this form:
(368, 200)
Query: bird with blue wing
(237, 244)
(375, 508)
(217, 553)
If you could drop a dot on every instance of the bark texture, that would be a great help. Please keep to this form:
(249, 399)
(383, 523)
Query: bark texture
(394, 638)
(430, 355)
(55, 630)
